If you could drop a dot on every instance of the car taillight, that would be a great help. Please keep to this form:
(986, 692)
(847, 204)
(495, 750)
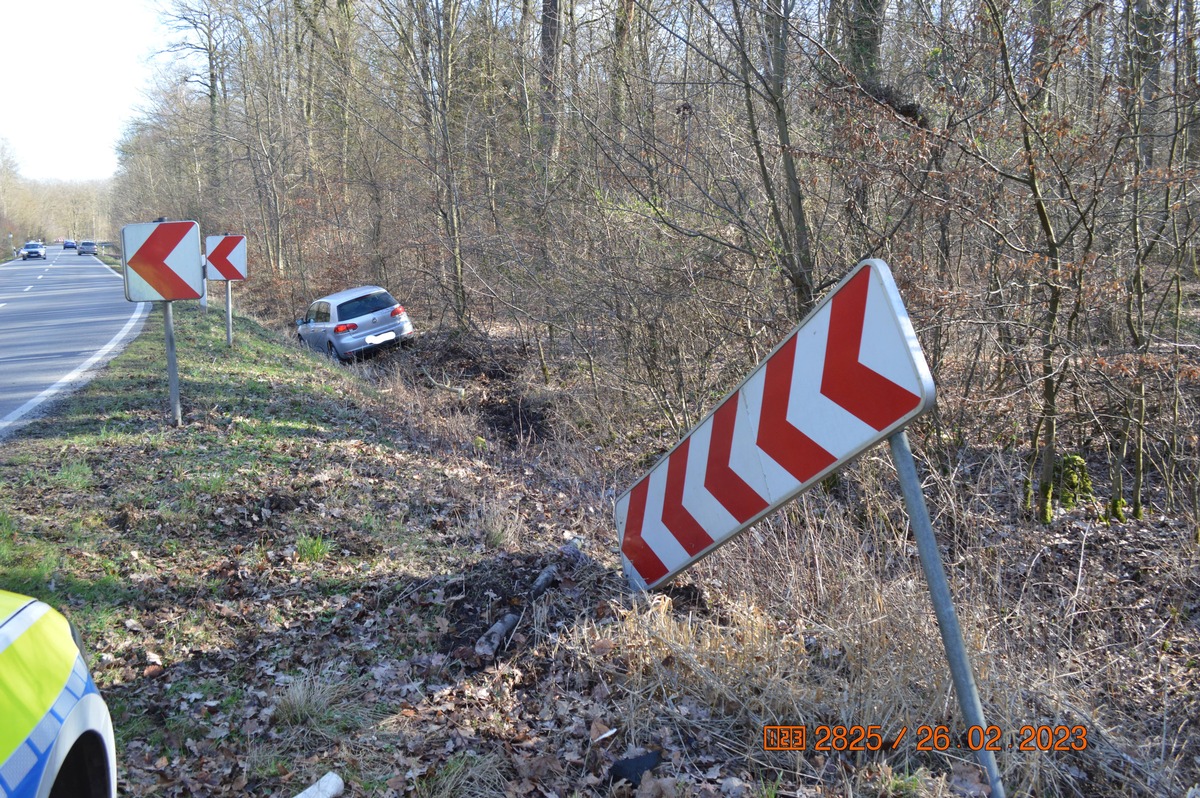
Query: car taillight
(398, 310)
(345, 328)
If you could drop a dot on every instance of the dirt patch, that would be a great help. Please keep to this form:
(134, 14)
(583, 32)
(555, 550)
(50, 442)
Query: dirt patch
(517, 418)
(491, 375)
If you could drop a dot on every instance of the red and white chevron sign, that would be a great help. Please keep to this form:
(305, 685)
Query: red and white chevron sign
(227, 255)
(848, 376)
(162, 261)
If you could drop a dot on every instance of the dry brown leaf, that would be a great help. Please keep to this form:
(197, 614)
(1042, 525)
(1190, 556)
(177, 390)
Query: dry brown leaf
(600, 731)
(656, 788)
(603, 646)
(968, 780)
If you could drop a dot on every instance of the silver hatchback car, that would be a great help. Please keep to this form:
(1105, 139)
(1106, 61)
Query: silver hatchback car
(354, 322)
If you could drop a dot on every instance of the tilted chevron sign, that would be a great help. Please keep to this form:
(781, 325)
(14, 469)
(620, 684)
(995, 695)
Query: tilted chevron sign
(849, 376)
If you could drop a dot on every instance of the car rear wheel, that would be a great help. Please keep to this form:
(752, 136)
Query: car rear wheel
(332, 351)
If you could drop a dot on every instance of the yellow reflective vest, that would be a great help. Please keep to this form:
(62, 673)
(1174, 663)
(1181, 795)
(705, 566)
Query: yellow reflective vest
(47, 698)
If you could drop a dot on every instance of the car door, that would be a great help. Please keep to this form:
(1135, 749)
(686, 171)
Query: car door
(306, 328)
(321, 327)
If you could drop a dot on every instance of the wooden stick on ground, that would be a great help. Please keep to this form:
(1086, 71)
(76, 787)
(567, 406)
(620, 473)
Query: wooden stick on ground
(487, 646)
(443, 385)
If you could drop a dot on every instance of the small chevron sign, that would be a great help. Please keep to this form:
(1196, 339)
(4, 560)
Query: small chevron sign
(227, 256)
(849, 376)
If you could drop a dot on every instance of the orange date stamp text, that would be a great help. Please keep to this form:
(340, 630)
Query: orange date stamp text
(828, 738)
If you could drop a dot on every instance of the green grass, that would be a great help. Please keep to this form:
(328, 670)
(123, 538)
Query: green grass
(24, 571)
(130, 724)
(312, 548)
(464, 774)
(253, 414)
(73, 477)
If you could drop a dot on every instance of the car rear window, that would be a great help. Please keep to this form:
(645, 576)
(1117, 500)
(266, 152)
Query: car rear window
(362, 305)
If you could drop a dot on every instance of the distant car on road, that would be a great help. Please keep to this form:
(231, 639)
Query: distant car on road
(87, 248)
(354, 322)
(68, 244)
(56, 735)
(33, 249)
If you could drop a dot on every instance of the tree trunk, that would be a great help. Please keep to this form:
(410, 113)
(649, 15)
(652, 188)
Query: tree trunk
(551, 45)
(622, 34)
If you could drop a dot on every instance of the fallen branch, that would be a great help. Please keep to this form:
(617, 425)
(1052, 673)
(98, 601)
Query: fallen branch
(546, 578)
(444, 386)
(487, 646)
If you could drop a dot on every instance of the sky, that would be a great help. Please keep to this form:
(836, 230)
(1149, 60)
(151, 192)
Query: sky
(72, 75)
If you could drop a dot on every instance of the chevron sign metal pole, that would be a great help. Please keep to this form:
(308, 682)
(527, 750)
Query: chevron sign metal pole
(943, 604)
(849, 376)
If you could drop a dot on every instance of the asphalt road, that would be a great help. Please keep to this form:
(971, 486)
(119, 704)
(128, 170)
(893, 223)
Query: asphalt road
(60, 320)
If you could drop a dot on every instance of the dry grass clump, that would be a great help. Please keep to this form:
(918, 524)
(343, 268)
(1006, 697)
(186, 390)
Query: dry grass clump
(497, 524)
(466, 774)
(751, 669)
(435, 417)
(320, 703)
(822, 616)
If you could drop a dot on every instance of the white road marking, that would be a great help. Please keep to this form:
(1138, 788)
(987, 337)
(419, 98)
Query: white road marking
(27, 289)
(139, 312)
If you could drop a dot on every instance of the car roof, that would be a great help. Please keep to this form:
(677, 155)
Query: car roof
(349, 293)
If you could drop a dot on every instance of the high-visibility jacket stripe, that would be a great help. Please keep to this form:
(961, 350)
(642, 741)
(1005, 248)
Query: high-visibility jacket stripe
(37, 663)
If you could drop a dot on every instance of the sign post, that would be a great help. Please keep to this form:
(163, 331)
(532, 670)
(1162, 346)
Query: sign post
(849, 376)
(227, 255)
(943, 604)
(172, 368)
(162, 263)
